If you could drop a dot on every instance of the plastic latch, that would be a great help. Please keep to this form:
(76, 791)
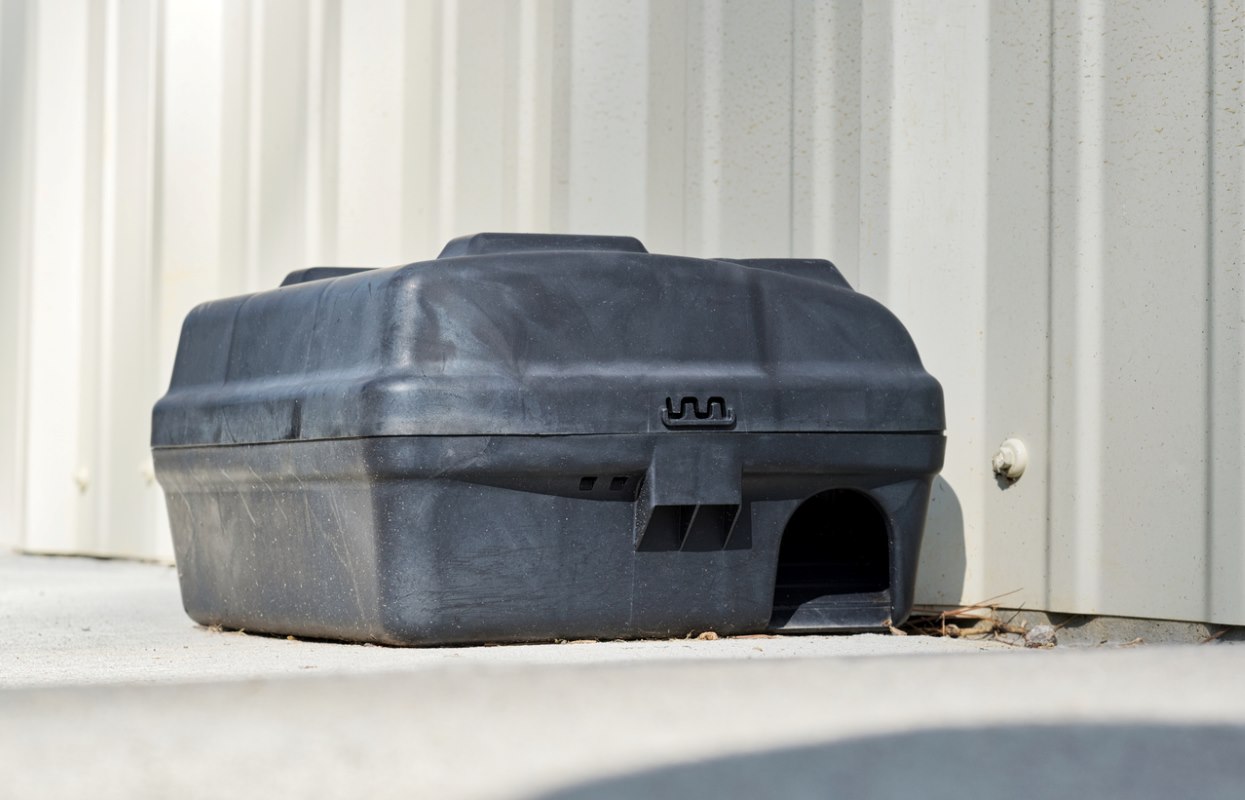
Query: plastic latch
(689, 414)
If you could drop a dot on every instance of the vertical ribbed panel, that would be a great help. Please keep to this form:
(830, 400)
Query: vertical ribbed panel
(926, 259)
(1225, 239)
(1129, 297)
(16, 153)
(1050, 195)
(64, 271)
(1016, 342)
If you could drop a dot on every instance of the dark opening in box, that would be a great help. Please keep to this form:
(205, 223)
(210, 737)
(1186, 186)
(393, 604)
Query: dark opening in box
(835, 549)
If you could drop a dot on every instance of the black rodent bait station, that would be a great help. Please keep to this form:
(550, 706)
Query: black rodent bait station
(540, 437)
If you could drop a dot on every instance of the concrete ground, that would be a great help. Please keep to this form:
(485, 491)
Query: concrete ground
(108, 690)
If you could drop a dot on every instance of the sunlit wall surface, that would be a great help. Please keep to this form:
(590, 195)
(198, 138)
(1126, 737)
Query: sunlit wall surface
(1049, 195)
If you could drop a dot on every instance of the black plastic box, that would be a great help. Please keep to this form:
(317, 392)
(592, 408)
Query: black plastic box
(543, 437)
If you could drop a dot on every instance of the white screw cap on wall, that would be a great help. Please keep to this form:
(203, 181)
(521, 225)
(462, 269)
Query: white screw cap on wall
(147, 470)
(1010, 460)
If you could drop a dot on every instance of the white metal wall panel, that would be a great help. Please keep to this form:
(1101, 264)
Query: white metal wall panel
(1049, 194)
(923, 254)
(16, 33)
(1225, 431)
(1015, 342)
(64, 261)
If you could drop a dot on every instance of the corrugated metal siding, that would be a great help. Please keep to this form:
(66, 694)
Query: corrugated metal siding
(1049, 195)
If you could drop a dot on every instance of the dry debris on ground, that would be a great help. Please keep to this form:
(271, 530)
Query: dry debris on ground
(978, 621)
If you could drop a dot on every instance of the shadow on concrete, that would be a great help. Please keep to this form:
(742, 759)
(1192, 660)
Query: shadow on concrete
(1038, 761)
(944, 560)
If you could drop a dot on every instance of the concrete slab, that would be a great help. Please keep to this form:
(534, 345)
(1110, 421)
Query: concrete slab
(78, 620)
(144, 705)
